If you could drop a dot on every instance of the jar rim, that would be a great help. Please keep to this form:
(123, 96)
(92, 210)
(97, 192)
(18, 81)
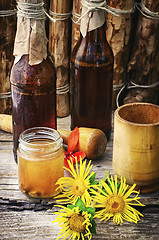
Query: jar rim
(49, 137)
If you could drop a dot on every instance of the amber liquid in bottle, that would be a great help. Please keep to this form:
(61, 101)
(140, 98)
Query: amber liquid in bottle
(33, 97)
(92, 82)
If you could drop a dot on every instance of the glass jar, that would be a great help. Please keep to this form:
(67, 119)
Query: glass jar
(40, 161)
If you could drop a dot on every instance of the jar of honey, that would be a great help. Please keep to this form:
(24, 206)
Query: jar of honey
(40, 161)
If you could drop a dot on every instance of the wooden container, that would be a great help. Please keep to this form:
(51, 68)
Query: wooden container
(75, 26)
(118, 35)
(136, 145)
(7, 35)
(143, 67)
(59, 48)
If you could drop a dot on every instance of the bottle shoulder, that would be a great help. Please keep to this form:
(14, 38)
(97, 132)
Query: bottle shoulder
(41, 74)
(92, 52)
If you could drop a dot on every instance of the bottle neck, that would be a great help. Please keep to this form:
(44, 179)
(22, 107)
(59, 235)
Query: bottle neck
(97, 35)
(30, 36)
(92, 15)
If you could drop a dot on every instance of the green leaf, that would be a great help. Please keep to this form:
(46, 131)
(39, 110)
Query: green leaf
(70, 206)
(91, 210)
(93, 227)
(79, 203)
(92, 179)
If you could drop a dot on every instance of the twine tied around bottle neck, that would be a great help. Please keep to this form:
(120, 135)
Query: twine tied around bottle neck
(31, 10)
(146, 12)
(37, 11)
(76, 16)
(93, 5)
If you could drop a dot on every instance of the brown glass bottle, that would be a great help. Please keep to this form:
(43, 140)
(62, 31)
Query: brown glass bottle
(33, 96)
(92, 81)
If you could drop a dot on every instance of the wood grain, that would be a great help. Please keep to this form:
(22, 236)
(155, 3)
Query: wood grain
(76, 26)
(7, 35)
(59, 48)
(143, 67)
(118, 35)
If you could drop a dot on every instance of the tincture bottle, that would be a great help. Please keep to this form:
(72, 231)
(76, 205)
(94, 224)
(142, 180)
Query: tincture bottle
(33, 76)
(92, 72)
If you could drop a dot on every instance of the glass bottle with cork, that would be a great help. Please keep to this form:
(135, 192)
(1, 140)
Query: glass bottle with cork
(33, 75)
(92, 71)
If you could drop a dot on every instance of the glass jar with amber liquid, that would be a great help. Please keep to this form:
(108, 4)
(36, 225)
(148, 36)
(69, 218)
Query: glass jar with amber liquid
(92, 72)
(33, 75)
(40, 161)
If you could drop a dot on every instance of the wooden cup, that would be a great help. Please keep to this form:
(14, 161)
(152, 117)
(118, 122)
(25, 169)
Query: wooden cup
(136, 144)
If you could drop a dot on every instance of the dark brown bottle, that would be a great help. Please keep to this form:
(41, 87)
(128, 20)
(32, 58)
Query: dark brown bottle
(92, 82)
(33, 96)
(33, 75)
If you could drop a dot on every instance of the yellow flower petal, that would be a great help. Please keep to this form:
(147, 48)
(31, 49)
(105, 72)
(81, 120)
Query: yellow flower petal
(117, 203)
(74, 224)
(79, 185)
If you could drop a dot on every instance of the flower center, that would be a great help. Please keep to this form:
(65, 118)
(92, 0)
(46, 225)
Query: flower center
(75, 222)
(115, 204)
(79, 187)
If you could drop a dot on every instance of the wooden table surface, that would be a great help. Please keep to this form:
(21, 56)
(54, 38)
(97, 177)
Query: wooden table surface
(27, 218)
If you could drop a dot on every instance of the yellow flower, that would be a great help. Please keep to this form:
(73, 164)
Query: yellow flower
(115, 201)
(79, 185)
(75, 223)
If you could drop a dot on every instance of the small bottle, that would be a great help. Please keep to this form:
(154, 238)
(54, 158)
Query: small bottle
(92, 72)
(33, 75)
(40, 161)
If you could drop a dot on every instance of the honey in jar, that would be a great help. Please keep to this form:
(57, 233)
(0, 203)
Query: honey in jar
(40, 162)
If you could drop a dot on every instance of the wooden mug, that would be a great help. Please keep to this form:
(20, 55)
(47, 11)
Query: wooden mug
(136, 144)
